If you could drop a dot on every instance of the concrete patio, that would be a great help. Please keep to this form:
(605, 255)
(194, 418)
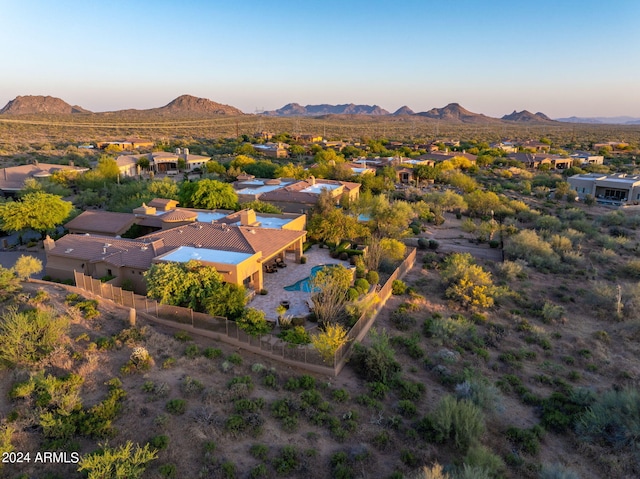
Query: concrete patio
(275, 283)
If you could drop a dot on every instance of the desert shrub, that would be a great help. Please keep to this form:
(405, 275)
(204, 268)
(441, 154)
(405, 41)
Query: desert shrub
(402, 320)
(353, 294)
(140, 360)
(191, 386)
(295, 335)
(398, 287)
(362, 285)
(287, 461)
(472, 472)
(613, 419)
(549, 223)
(461, 421)
(176, 406)
(481, 457)
(406, 408)
(557, 471)
(552, 312)
(373, 277)
(122, 461)
(480, 391)
(526, 440)
(28, 337)
(376, 362)
(212, 353)
(527, 245)
(235, 358)
(160, 442)
(632, 269)
(340, 395)
(182, 336)
(192, 351)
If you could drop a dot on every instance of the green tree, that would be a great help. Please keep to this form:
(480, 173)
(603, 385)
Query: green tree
(208, 194)
(334, 226)
(215, 168)
(467, 282)
(123, 462)
(297, 150)
(245, 149)
(26, 266)
(194, 285)
(108, 168)
(261, 207)
(330, 286)
(39, 211)
(390, 219)
(290, 171)
(328, 340)
(143, 163)
(253, 322)
(483, 203)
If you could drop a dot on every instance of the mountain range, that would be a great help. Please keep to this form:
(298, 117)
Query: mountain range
(191, 105)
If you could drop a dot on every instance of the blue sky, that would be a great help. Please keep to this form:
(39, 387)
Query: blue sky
(561, 57)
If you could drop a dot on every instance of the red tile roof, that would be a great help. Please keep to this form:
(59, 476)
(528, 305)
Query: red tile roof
(101, 222)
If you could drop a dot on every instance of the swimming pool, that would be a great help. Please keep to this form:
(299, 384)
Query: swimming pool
(303, 285)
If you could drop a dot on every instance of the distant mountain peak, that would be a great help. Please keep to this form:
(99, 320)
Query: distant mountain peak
(295, 109)
(403, 110)
(36, 104)
(192, 104)
(453, 112)
(525, 116)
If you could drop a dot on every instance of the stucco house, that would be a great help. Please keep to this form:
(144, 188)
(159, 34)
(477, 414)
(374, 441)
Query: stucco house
(240, 251)
(12, 178)
(607, 189)
(293, 196)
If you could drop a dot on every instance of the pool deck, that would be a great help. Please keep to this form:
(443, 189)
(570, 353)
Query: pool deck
(274, 283)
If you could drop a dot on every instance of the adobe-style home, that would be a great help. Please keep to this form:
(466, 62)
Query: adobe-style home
(130, 144)
(607, 189)
(293, 196)
(240, 250)
(536, 160)
(161, 162)
(12, 178)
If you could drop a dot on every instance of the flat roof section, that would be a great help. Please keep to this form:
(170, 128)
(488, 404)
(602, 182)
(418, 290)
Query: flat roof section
(187, 253)
(318, 187)
(206, 217)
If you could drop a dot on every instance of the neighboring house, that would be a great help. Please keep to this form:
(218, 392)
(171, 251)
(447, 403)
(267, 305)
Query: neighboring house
(506, 146)
(161, 162)
(128, 165)
(358, 168)
(535, 145)
(300, 196)
(607, 189)
(104, 223)
(438, 156)
(131, 144)
(240, 251)
(536, 160)
(12, 178)
(585, 158)
(273, 150)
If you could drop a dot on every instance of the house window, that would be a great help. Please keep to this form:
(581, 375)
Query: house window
(109, 273)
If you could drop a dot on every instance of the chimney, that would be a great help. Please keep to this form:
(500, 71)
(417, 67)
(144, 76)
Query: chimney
(71, 163)
(178, 151)
(312, 180)
(48, 243)
(247, 217)
(186, 152)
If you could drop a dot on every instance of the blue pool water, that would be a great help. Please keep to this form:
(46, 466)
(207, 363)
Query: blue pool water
(303, 285)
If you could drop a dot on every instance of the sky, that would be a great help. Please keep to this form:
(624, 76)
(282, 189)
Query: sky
(559, 57)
